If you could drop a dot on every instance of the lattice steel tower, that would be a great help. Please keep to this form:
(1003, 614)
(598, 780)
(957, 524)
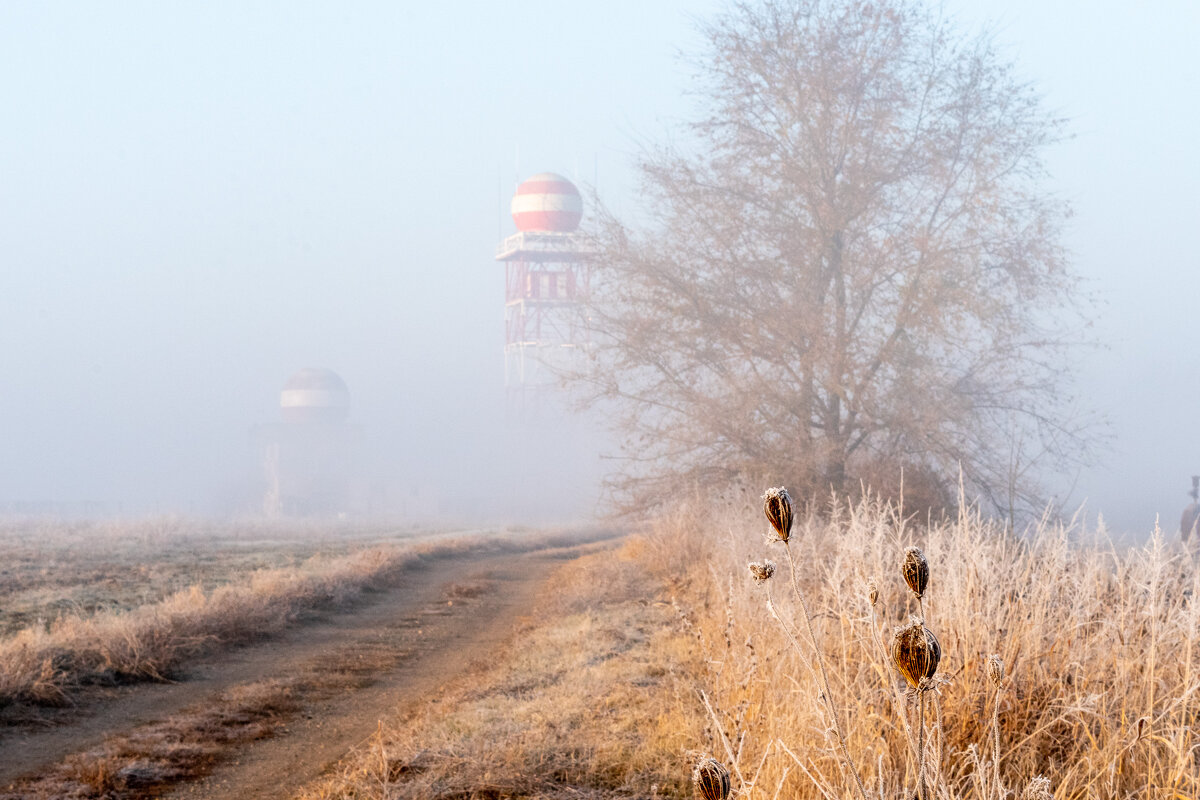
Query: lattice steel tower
(547, 277)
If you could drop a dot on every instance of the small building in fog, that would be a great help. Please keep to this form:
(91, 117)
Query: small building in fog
(310, 459)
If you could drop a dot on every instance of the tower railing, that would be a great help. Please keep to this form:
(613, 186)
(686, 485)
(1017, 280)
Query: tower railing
(545, 245)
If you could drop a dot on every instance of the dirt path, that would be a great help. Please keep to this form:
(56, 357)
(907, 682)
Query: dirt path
(392, 651)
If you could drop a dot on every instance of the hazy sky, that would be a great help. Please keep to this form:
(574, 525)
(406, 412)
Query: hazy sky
(197, 199)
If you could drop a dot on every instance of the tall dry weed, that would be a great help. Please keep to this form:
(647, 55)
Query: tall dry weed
(1068, 666)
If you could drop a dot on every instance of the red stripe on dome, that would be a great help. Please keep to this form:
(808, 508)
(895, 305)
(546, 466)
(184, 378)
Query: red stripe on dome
(547, 220)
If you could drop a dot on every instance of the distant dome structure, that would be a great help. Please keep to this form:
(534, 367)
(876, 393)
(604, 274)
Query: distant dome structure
(547, 202)
(315, 395)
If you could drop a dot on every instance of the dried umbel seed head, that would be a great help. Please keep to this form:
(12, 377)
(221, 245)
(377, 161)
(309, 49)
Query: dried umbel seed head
(872, 592)
(777, 504)
(995, 669)
(1038, 789)
(762, 572)
(916, 653)
(915, 570)
(710, 780)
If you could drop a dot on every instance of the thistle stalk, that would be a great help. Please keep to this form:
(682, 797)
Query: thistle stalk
(820, 659)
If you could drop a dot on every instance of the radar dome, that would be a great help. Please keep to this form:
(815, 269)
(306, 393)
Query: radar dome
(315, 395)
(547, 202)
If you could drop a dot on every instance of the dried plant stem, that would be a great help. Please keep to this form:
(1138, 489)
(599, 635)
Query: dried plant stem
(996, 745)
(936, 777)
(733, 761)
(788, 632)
(820, 659)
(922, 793)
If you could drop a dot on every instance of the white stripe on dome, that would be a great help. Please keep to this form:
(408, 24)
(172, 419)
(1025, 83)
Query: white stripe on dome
(313, 398)
(527, 203)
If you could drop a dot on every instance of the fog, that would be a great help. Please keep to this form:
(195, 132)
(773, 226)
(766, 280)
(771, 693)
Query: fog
(199, 199)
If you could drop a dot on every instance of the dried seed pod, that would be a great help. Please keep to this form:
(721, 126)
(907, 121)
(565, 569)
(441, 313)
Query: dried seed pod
(710, 780)
(777, 504)
(762, 572)
(995, 669)
(915, 570)
(1038, 789)
(1142, 725)
(916, 653)
(873, 592)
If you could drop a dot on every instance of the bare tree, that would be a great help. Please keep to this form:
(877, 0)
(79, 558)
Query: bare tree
(850, 268)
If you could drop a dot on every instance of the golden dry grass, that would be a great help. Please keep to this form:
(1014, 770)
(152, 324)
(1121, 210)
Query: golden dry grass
(1102, 687)
(591, 699)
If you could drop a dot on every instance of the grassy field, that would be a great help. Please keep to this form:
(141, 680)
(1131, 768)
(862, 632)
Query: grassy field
(1069, 669)
(1068, 665)
(102, 604)
(1099, 695)
(54, 569)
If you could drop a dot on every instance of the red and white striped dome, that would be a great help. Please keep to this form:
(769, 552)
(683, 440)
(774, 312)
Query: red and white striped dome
(315, 395)
(547, 202)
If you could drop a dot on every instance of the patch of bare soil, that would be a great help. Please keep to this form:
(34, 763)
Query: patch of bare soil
(263, 720)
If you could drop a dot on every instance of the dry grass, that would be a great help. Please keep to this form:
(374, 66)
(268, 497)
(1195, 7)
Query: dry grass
(588, 701)
(1099, 645)
(47, 663)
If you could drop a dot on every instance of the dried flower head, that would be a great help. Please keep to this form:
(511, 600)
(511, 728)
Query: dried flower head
(916, 653)
(1038, 789)
(710, 780)
(873, 592)
(1142, 726)
(915, 570)
(995, 669)
(777, 504)
(762, 572)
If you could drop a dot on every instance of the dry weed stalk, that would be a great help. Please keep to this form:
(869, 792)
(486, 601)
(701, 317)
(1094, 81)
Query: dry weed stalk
(916, 653)
(777, 505)
(995, 675)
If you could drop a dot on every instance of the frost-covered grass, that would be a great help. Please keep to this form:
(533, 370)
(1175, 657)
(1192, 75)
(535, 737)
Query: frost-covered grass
(163, 596)
(1101, 693)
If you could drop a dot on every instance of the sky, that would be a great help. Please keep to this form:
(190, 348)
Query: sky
(198, 199)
